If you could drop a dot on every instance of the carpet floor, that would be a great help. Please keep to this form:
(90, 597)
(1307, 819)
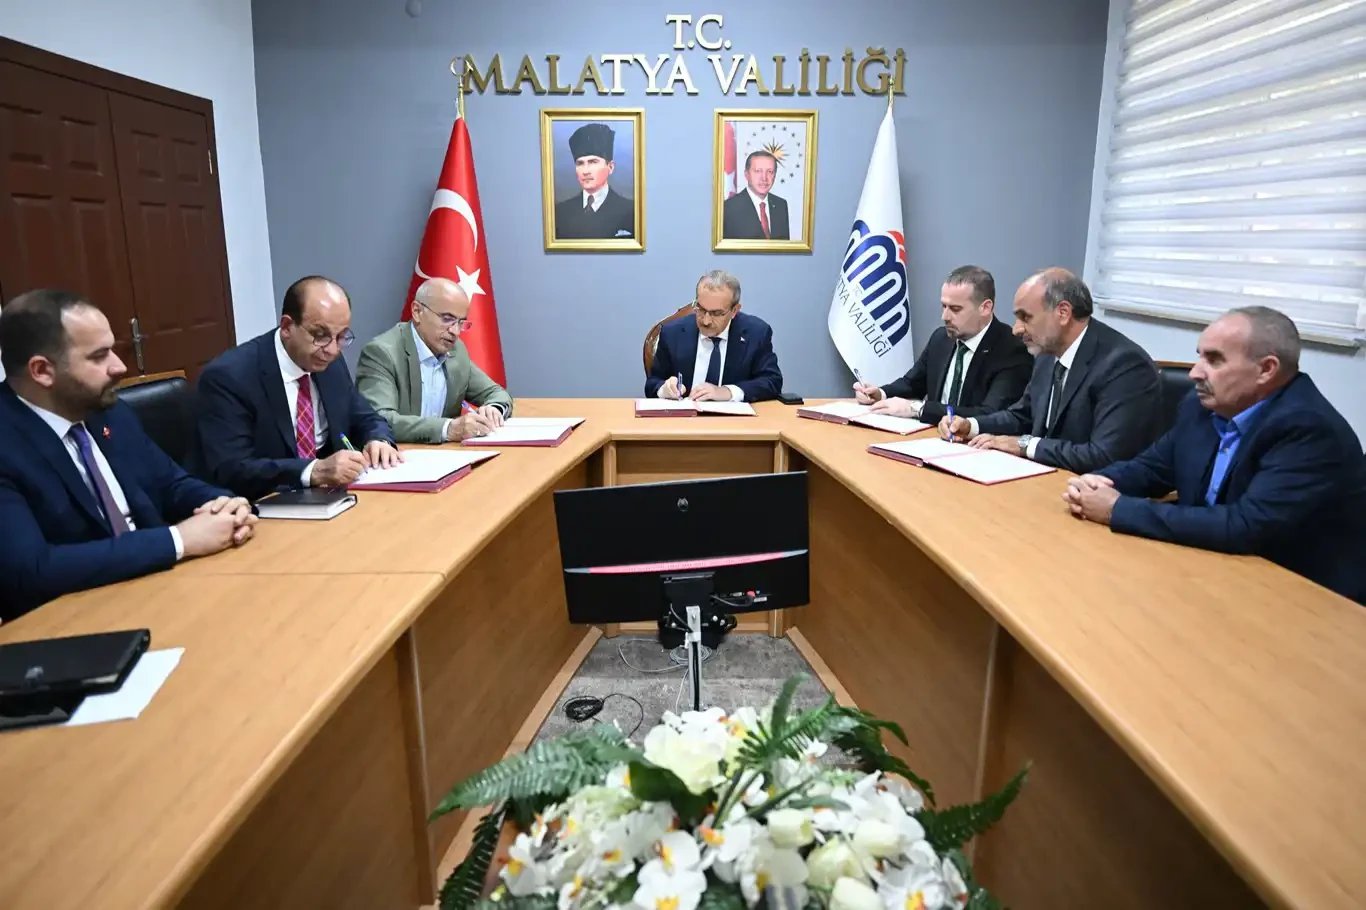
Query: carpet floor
(747, 669)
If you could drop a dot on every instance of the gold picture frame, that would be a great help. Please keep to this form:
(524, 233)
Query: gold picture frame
(788, 138)
(617, 223)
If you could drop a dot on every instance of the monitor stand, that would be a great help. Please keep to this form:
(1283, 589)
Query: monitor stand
(686, 595)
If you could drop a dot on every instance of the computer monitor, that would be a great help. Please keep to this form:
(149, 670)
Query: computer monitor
(685, 553)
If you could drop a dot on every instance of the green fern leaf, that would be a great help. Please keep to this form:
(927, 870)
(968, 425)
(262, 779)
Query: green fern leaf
(948, 829)
(512, 902)
(766, 745)
(860, 735)
(465, 885)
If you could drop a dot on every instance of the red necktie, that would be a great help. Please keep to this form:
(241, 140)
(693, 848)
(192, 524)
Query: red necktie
(304, 442)
(763, 217)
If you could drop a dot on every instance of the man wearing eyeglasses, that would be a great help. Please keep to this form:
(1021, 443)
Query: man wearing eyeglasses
(719, 354)
(428, 349)
(281, 412)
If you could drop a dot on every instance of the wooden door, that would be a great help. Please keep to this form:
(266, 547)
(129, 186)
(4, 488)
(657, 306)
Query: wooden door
(175, 233)
(61, 215)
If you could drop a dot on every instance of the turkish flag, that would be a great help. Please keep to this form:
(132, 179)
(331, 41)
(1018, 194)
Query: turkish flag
(453, 247)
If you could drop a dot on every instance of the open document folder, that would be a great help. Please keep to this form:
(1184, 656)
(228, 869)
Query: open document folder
(982, 465)
(664, 407)
(853, 412)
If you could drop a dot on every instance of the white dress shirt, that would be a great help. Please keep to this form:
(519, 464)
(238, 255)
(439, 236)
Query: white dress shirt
(62, 427)
(433, 371)
(1066, 359)
(597, 197)
(289, 374)
(699, 366)
(972, 345)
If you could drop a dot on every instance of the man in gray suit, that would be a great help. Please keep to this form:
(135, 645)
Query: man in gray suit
(418, 374)
(1094, 397)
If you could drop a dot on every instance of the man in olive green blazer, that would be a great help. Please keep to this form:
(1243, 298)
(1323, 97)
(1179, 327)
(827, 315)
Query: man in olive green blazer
(417, 374)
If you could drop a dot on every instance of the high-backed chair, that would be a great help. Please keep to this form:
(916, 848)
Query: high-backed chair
(164, 402)
(1175, 381)
(647, 353)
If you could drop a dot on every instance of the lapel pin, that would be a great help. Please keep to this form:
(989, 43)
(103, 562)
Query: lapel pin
(106, 432)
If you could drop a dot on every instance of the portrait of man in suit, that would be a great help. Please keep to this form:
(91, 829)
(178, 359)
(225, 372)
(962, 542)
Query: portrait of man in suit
(756, 212)
(764, 178)
(594, 181)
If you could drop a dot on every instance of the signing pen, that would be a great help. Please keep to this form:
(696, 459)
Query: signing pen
(948, 412)
(346, 442)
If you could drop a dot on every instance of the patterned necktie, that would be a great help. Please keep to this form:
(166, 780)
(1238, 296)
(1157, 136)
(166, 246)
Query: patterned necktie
(956, 384)
(112, 513)
(714, 364)
(763, 217)
(1055, 396)
(304, 443)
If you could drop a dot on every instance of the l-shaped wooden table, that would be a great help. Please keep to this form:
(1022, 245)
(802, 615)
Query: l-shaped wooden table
(1195, 722)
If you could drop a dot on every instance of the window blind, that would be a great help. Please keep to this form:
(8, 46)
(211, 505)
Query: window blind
(1234, 172)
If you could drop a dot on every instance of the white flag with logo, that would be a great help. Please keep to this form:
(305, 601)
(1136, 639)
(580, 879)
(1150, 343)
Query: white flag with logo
(870, 315)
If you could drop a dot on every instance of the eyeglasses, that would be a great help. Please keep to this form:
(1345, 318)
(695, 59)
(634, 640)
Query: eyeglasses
(713, 314)
(449, 321)
(322, 337)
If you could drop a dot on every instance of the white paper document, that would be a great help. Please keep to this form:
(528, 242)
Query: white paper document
(420, 466)
(664, 404)
(925, 449)
(734, 408)
(846, 410)
(902, 425)
(991, 466)
(521, 434)
(562, 422)
(133, 697)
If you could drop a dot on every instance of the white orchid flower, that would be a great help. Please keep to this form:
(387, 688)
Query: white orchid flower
(774, 867)
(914, 888)
(725, 846)
(830, 862)
(674, 852)
(660, 890)
(522, 873)
(954, 884)
(911, 798)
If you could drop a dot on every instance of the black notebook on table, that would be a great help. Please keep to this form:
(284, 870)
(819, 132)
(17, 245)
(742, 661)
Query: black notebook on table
(44, 681)
(316, 504)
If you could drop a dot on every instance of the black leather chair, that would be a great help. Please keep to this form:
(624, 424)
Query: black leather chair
(164, 402)
(1176, 384)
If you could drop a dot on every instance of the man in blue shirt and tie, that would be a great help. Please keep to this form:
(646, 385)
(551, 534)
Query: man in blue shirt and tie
(1260, 461)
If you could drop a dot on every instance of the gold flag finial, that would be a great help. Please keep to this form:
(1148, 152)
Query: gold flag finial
(891, 91)
(458, 67)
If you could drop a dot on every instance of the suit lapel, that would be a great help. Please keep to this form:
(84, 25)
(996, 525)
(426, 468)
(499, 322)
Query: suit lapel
(456, 384)
(52, 450)
(274, 384)
(333, 395)
(980, 357)
(738, 350)
(139, 507)
(410, 396)
(937, 364)
(1040, 385)
(1081, 365)
(689, 359)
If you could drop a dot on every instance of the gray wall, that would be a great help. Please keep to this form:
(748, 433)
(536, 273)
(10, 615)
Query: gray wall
(996, 136)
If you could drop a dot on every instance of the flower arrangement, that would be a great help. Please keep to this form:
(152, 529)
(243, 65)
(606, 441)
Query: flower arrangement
(720, 812)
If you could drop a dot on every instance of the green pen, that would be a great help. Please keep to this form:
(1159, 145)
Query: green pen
(346, 442)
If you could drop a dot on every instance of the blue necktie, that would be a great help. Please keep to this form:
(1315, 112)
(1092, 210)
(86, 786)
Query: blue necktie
(117, 523)
(714, 364)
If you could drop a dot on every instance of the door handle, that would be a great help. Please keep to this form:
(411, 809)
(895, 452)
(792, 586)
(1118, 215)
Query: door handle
(137, 343)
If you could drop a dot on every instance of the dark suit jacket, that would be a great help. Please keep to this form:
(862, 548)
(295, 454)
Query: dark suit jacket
(995, 378)
(1110, 406)
(246, 433)
(1295, 492)
(750, 361)
(616, 217)
(56, 539)
(740, 219)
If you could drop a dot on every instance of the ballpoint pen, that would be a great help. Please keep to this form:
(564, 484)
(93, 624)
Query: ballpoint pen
(948, 412)
(346, 442)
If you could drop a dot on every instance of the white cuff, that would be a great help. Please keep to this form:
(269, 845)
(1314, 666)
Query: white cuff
(916, 408)
(179, 544)
(972, 427)
(307, 472)
(446, 429)
(736, 393)
(1032, 448)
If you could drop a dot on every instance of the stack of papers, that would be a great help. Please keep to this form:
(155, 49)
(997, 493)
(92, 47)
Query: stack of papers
(528, 431)
(853, 412)
(982, 465)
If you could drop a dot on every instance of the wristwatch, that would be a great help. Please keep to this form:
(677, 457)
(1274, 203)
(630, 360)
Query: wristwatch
(1024, 444)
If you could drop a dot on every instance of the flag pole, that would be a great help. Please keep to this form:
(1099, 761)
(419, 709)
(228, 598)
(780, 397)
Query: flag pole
(891, 91)
(460, 85)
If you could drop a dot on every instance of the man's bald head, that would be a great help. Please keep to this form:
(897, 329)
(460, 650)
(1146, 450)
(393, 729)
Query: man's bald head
(441, 310)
